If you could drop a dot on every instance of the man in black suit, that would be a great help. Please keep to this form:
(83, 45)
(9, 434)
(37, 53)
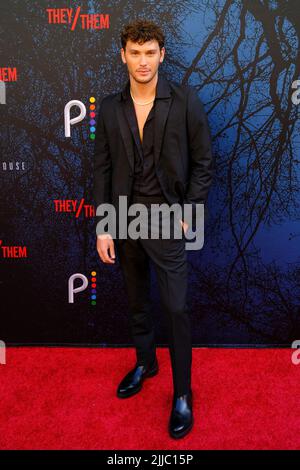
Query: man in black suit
(153, 145)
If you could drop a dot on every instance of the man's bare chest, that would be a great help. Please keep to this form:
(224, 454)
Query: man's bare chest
(141, 116)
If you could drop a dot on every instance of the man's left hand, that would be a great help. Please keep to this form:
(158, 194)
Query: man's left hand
(185, 226)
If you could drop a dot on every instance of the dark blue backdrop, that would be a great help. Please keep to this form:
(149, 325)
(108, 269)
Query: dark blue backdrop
(243, 57)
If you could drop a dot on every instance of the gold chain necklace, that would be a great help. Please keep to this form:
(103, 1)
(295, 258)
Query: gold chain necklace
(141, 104)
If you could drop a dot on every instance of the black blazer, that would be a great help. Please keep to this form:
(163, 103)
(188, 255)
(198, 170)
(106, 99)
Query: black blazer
(182, 147)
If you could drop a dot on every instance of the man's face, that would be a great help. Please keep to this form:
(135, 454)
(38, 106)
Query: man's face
(142, 59)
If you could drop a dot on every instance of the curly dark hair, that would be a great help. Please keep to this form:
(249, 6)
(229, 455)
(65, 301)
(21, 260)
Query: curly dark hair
(141, 31)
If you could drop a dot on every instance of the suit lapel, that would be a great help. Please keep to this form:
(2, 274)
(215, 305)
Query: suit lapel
(160, 117)
(126, 134)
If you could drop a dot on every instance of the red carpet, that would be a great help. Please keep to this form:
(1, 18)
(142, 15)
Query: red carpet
(64, 398)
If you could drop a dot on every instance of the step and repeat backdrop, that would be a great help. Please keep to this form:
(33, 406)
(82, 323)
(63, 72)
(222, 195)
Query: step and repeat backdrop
(58, 60)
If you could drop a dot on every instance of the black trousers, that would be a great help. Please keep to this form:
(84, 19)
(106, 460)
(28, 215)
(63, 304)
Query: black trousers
(171, 268)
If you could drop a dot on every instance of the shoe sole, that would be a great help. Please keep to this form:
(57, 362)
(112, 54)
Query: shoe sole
(183, 433)
(148, 374)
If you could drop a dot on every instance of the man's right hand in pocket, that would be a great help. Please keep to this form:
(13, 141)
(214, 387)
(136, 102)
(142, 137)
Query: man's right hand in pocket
(106, 248)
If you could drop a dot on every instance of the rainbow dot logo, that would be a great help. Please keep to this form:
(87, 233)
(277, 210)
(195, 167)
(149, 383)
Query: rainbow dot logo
(92, 118)
(93, 288)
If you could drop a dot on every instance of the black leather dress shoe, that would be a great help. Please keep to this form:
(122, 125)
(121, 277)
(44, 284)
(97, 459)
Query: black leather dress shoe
(133, 381)
(181, 419)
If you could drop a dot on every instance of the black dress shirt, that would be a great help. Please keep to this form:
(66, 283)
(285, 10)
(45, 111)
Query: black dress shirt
(145, 181)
